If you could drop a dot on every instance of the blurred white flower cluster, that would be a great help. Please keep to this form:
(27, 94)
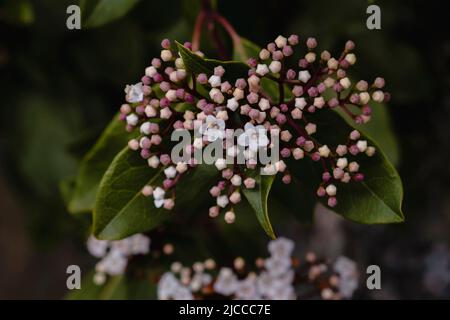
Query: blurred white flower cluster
(114, 254)
(279, 277)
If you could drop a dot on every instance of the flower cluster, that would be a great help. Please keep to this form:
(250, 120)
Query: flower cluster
(278, 277)
(169, 98)
(114, 254)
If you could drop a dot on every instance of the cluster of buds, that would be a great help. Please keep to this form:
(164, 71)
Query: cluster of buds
(115, 254)
(278, 277)
(169, 98)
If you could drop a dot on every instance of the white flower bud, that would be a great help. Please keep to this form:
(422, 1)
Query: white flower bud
(280, 41)
(361, 145)
(378, 96)
(153, 162)
(238, 94)
(342, 163)
(304, 76)
(332, 64)
(351, 58)
(236, 180)
(181, 167)
(364, 97)
(214, 81)
(353, 166)
(229, 217)
(275, 66)
(370, 151)
(171, 95)
(170, 172)
(300, 103)
(319, 102)
(264, 54)
(262, 69)
(331, 190)
(166, 55)
(310, 57)
(324, 151)
(298, 153)
(345, 82)
(179, 64)
(311, 128)
(150, 71)
(220, 164)
(232, 104)
(264, 104)
(222, 201)
(132, 119)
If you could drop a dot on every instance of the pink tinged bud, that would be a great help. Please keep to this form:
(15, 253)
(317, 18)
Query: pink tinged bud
(354, 98)
(230, 217)
(252, 62)
(321, 192)
(188, 45)
(249, 183)
(219, 71)
(286, 179)
(202, 78)
(122, 117)
(296, 113)
(344, 64)
(214, 211)
(140, 110)
(241, 83)
(252, 98)
(215, 191)
(366, 110)
(145, 143)
(359, 120)
(147, 191)
(326, 176)
(281, 119)
(315, 156)
(338, 173)
(303, 63)
(308, 146)
(334, 102)
(285, 136)
(165, 113)
(341, 150)
(274, 111)
(387, 97)
(355, 135)
(346, 178)
(251, 164)
(277, 55)
(300, 141)
(146, 81)
(311, 43)
(362, 85)
(156, 139)
(222, 184)
(370, 151)
(145, 153)
(337, 87)
(129, 128)
(271, 47)
(158, 78)
(178, 125)
(379, 83)
(133, 144)
(125, 108)
(169, 204)
(225, 87)
(293, 39)
(245, 109)
(353, 150)
(298, 154)
(189, 98)
(253, 114)
(331, 190)
(165, 43)
(332, 202)
(165, 159)
(349, 45)
(209, 109)
(297, 91)
(156, 62)
(164, 102)
(287, 51)
(261, 117)
(168, 183)
(285, 152)
(227, 173)
(358, 177)
(164, 86)
(235, 197)
(321, 87)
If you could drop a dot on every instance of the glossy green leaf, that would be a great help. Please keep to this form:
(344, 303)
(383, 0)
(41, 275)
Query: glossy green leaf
(257, 198)
(378, 198)
(196, 64)
(95, 163)
(106, 11)
(121, 209)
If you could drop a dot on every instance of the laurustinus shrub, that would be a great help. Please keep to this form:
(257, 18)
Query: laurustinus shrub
(282, 90)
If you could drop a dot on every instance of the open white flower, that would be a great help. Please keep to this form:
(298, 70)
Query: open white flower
(226, 282)
(254, 137)
(134, 92)
(281, 247)
(213, 128)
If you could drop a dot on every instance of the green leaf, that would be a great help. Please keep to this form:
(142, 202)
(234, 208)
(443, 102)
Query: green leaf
(250, 50)
(257, 197)
(121, 209)
(378, 198)
(106, 11)
(95, 163)
(196, 64)
(379, 128)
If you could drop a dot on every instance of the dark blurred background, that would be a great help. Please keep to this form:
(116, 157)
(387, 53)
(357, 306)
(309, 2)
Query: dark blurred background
(61, 87)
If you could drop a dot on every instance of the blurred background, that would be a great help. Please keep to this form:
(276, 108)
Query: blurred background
(61, 87)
